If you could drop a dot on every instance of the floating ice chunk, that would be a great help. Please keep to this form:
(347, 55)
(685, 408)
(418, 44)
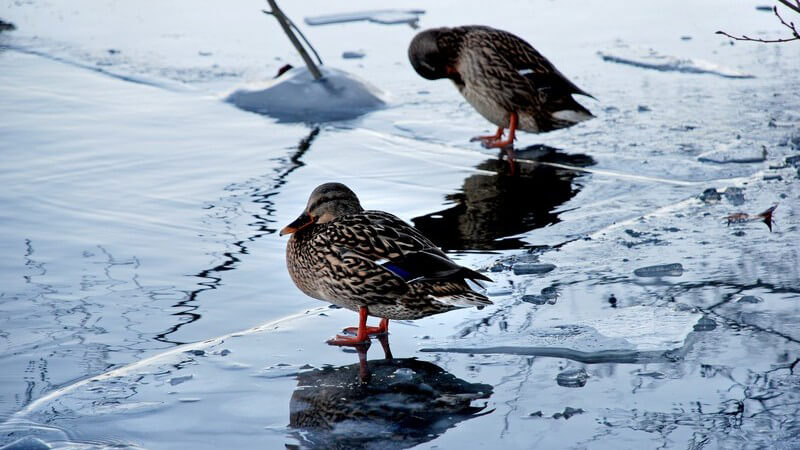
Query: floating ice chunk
(404, 373)
(382, 16)
(705, 324)
(568, 412)
(296, 97)
(530, 268)
(352, 55)
(736, 153)
(710, 195)
(651, 59)
(655, 374)
(572, 378)
(661, 270)
(535, 299)
(735, 195)
(178, 380)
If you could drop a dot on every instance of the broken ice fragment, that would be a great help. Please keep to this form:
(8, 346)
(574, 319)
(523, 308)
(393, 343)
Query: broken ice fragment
(179, 380)
(661, 270)
(737, 153)
(651, 59)
(383, 16)
(710, 195)
(568, 412)
(529, 268)
(352, 55)
(656, 375)
(535, 299)
(572, 378)
(705, 324)
(734, 195)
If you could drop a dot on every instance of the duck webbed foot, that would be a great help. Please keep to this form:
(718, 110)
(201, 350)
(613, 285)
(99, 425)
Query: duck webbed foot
(382, 328)
(362, 331)
(490, 138)
(509, 142)
(350, 341)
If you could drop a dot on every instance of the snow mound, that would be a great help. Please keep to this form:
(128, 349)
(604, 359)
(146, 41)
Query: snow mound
(296, 97)
(651, 59)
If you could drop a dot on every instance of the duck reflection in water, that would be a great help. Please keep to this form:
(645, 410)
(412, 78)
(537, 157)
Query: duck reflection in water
(380, 404)
(490, 208)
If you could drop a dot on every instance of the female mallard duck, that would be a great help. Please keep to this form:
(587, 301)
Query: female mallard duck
(503, 77)
(373, 263)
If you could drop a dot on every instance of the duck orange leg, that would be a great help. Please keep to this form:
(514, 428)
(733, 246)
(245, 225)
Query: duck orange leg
(382, 328)
(361, 336)
(512, 129)
(490, 138)
(508, 144)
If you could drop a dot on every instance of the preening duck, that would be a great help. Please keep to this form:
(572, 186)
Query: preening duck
(503, 77)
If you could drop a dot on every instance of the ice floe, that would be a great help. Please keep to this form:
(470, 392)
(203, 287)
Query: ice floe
(383, 16)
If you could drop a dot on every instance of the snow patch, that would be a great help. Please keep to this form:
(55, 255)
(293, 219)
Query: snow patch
(296, 97)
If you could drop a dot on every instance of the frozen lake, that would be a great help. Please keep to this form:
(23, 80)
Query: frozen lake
(145, 301)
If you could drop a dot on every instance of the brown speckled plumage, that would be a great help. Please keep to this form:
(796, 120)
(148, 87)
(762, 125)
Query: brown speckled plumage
(499, 74)
(356, 258)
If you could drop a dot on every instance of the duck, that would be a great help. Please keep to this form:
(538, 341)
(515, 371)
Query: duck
(503, 77)
(373, 263)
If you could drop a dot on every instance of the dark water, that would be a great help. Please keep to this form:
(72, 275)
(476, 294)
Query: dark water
(490, 209)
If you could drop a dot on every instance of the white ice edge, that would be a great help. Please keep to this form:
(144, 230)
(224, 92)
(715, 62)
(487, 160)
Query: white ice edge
(383, 16)
(651, 59)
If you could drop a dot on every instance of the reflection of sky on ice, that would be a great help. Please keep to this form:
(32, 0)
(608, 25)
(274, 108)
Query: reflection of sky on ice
(140, 211)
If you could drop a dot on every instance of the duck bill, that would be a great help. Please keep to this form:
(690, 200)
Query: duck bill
(301, 222)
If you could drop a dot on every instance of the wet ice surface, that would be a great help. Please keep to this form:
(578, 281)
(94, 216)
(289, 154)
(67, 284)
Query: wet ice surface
(140, 253)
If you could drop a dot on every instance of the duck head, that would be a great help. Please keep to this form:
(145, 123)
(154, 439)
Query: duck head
(434, 54)
(327, 202)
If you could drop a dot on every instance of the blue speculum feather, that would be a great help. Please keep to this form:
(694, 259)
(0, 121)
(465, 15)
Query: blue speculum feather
(399, 271)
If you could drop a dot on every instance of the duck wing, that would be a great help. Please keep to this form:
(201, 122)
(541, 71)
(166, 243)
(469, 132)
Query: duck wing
(391, 244)
(524, 75)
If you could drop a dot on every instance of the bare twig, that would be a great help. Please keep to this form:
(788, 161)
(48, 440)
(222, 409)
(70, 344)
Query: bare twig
(286, 25)
(319, 60)
(789, 25)
(796, 8)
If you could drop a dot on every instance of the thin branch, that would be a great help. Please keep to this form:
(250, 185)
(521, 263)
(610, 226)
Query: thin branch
(791, 6)
(305, 40)
(790, 26)
(746, 38)
(285, 24)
